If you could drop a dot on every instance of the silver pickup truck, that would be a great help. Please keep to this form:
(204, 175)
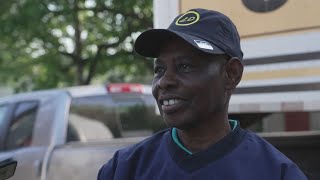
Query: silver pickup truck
(68, 134)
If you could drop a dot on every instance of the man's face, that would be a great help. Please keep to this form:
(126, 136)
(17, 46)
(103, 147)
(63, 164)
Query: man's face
(188, 85)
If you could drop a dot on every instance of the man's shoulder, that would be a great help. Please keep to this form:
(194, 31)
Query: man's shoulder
(270, 158)
(261, 146)
(126, 161)
(149, 144)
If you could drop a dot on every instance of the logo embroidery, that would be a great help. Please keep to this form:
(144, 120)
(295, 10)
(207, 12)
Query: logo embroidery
(188, 18)
(203, 44)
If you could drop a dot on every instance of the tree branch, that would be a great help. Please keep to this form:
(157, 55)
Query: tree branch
(72, 56)
(75, 58)
(94, 60)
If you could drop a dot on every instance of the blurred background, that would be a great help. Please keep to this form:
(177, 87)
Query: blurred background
(53, 44)
(82, 50)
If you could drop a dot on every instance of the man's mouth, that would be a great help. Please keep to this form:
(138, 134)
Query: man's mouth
(170, 102)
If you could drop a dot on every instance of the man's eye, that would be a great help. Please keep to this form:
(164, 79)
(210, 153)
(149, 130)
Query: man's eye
(158, 70)
(184, 68)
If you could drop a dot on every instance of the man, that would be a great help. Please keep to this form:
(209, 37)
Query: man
(198, 65)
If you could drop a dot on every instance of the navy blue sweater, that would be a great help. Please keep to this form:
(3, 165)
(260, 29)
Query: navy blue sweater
(241, 155)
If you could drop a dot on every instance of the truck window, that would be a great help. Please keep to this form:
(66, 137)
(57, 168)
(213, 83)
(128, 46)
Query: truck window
(135, 117)
(21, 125)
(138, 115)
(123, 115)
(91, 118)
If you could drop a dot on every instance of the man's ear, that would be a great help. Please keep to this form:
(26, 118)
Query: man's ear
(234, 70)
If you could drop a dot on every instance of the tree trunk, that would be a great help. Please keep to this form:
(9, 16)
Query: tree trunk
(78, 45)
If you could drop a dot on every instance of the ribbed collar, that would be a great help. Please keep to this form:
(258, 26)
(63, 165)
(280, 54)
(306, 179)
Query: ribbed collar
(197, 160)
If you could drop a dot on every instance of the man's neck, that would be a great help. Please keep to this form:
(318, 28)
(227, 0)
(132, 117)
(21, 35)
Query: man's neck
(201, 137)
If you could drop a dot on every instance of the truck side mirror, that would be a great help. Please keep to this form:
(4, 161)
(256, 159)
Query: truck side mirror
(7, 168)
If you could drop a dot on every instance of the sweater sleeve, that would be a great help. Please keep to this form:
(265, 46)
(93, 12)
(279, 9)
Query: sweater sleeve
(292, 172)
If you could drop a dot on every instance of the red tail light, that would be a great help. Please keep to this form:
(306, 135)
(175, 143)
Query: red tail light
(125, 88)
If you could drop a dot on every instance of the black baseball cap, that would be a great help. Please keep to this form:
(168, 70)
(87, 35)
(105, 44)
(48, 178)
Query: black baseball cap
(207, 30)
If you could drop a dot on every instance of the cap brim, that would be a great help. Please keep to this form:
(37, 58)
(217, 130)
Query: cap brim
(150, 42)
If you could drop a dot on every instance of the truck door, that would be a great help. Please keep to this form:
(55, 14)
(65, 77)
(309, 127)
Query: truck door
(18, 141)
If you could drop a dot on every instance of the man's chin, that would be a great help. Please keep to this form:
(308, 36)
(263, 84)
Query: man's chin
(182, 125)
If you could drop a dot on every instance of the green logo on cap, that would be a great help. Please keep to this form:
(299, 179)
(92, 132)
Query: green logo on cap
(188, 18)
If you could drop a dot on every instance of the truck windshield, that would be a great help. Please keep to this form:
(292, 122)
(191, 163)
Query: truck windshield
(106, 116)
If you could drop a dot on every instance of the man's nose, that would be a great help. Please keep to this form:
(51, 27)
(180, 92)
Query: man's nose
(168, 80)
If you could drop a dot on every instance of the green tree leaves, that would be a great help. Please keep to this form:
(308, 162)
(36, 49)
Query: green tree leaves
(55, 43)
